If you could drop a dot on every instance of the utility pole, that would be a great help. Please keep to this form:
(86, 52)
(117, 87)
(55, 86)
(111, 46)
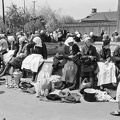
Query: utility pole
(118, 17)
(24, 6)
(3, 15)
(34, 8)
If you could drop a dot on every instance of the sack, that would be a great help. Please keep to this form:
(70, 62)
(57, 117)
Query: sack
(70, 97)
(53, 97)
(85, 84)
(25, 85)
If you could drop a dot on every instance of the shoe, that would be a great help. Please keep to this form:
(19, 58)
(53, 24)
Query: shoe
(115, 113)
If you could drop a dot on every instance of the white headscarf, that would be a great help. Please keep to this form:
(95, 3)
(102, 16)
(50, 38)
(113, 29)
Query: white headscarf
(21, 39)
(69, 39)
(11, 39)
(91, 33)
(38, 41)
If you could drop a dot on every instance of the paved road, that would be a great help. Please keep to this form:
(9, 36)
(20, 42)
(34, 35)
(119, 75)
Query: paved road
(16, 105)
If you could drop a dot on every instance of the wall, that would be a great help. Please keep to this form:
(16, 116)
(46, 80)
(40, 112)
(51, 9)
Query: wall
(92, 27)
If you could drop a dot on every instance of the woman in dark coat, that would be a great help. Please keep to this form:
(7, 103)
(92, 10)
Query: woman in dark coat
(106, 73)
(89, 61)
(105, 52)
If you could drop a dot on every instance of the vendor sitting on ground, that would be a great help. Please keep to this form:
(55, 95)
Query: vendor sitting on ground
(106, 74)
(38, 53)
(89, 62)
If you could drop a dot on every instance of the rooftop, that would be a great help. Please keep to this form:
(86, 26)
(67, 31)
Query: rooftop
(101, 16)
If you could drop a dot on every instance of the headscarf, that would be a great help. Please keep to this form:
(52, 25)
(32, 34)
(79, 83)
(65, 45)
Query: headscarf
(2, 36)
(106, 39)
(19, 36)
(21, 39)
(11, 39)
(69, 39)
(85, 35)
(91, 33)
(37, 41)
(87, 39)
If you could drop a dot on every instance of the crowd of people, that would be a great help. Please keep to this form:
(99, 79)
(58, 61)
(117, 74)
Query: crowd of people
(73, 65)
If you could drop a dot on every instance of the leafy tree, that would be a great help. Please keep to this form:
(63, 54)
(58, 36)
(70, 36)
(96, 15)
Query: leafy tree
(53, 18)
(15, 17)
(67, 19)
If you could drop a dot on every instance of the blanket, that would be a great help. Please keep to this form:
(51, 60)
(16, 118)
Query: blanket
(106, 73)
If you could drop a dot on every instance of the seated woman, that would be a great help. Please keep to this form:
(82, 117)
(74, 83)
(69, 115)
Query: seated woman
(35, 59)
(3, 44)
(18, 57)
(106, 74)
(69, 70)
(3, 47)
(89, 61)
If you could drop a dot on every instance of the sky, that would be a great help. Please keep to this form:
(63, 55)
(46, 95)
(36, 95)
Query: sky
(78, 9)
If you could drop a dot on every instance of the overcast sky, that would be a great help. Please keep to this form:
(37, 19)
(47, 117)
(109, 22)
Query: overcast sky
(75, 8)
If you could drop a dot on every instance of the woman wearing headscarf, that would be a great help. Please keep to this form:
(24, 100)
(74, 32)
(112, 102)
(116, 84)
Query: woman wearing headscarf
(69, 67)
(3, 44)
(18, 57)
(89, 61)
(13, 47)
(106, 74)
(36, 57)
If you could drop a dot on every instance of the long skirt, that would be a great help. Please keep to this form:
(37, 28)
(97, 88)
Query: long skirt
(69, 72)
(32, 62)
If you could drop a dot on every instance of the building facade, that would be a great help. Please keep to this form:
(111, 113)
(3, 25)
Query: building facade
(95, 22)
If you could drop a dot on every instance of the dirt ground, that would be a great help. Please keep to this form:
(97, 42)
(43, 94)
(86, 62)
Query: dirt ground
(16, 105)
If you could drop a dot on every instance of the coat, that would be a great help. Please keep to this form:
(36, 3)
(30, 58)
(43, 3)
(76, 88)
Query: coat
(105, 54)
(88, 66)
(116, 56)
(37, 50)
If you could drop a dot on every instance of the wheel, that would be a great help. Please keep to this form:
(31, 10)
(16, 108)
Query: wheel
(2, 68)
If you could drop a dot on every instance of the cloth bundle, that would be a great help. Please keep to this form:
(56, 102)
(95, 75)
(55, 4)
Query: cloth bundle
(102, 96)
(64, 96)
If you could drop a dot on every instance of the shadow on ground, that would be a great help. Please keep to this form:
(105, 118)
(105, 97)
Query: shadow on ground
(2, 92)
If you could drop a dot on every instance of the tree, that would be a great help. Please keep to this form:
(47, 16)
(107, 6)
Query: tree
(67, 19)
(16, 18)
(53, 18)
(50, 18)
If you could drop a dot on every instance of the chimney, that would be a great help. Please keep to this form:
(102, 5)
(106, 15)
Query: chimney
(94, 10)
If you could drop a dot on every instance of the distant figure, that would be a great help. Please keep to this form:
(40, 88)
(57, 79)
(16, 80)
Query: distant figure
(102, 33)
(116, 36)
(77, 36)
(92, 36)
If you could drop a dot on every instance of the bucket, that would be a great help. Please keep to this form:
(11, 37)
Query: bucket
(16, 77)
(89, 95)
